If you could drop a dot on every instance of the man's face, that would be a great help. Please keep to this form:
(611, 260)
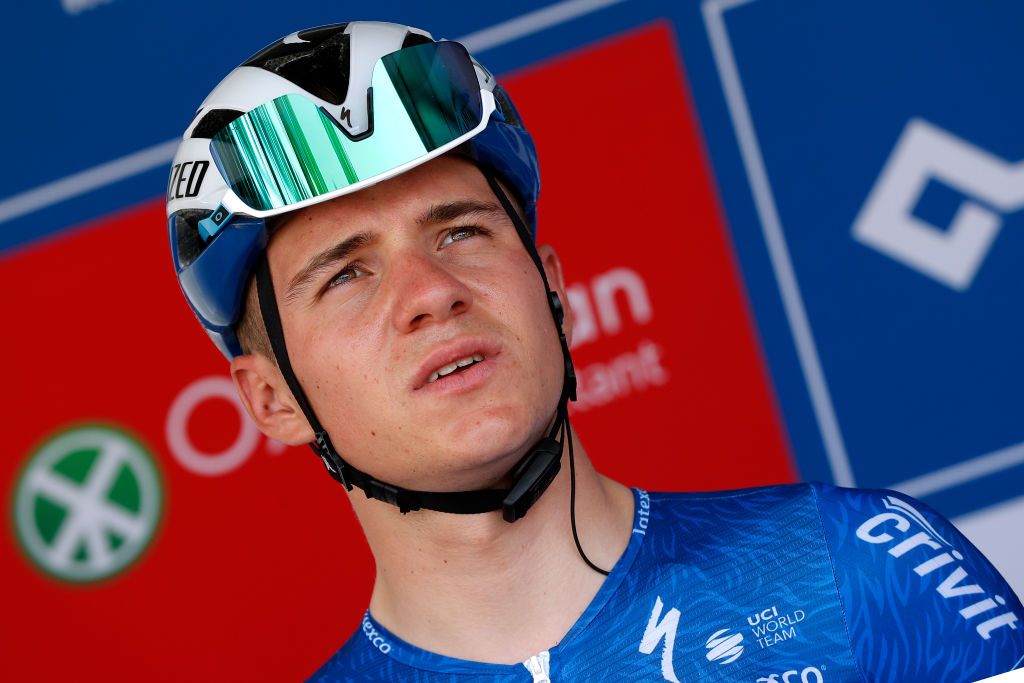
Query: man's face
(383, 290)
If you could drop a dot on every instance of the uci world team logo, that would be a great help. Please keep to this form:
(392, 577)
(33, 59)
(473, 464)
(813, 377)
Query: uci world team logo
(87, 503)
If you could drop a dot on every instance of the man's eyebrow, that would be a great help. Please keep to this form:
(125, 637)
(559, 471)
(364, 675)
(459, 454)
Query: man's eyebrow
(437, 213)
(324, 260)
(449, 211)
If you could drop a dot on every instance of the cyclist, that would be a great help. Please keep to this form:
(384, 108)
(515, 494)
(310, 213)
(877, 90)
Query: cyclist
(362, 248)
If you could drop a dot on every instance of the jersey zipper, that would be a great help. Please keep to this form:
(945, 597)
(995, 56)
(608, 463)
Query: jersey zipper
(539, 667)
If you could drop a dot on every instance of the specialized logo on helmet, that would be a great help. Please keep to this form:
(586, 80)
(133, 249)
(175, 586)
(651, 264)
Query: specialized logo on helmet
(903, 518)
(187, 179)
(345, 117)
(87, 504)
(724, 647)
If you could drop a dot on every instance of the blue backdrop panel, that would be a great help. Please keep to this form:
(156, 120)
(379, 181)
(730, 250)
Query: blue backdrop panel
(869, 159)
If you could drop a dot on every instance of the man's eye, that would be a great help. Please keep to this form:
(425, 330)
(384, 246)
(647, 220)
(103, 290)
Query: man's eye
(460, 233)
(345, 275)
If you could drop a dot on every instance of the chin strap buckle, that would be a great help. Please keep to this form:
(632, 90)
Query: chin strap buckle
(378, 490)
(532, 476)
(334, 464)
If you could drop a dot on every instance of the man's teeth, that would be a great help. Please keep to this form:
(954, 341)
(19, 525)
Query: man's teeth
(452, 367)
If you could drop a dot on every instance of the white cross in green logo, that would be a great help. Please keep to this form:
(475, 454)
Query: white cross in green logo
(87, 503)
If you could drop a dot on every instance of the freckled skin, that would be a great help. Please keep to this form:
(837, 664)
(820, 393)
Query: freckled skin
(359, 345)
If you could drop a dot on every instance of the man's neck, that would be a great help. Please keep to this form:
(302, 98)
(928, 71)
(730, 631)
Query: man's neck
(475, 587)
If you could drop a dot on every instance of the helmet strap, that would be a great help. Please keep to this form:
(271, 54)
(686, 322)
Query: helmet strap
(558, 314)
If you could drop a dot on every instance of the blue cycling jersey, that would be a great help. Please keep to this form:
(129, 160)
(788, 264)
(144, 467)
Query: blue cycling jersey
(805, 583)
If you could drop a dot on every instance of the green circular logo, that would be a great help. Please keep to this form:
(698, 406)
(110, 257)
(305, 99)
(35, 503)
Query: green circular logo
(87, 503)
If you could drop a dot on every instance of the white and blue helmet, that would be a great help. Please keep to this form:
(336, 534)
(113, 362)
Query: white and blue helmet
(319, 114)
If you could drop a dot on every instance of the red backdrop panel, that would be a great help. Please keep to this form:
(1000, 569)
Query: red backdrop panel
(674, 393)
(259, 572)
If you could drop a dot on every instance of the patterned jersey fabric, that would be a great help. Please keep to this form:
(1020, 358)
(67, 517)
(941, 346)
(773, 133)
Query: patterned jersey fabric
(805, 583)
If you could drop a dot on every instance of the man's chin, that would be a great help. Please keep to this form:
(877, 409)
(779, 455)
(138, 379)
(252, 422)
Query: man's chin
(483, 463)
(488, 432)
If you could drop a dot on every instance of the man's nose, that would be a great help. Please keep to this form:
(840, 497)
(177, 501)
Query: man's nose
(426, 292)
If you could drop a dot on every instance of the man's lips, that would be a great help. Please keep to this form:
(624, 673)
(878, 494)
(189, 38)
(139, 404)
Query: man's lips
(450, 352)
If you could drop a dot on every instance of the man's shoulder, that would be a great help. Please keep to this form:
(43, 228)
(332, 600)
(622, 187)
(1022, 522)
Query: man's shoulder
(772, 527)
(753, 498)
(752, 514)
(907, 575)
(886, 533)
(903, 574)
(837, 507)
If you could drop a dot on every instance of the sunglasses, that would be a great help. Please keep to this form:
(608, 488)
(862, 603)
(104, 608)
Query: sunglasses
(289, 152)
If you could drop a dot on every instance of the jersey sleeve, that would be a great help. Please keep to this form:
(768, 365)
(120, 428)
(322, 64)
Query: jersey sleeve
(920, 601)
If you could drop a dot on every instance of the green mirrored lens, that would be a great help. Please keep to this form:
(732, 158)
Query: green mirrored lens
(438, 89)
(289, 150)
(281, 153)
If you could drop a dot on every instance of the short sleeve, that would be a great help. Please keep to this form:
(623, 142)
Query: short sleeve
(920, 601)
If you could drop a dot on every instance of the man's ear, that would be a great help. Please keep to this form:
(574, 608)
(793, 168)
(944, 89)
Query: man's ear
(267, 399)
(553, 269)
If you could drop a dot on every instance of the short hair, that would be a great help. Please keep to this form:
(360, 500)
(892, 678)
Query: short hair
(251, 330)
(252, 333)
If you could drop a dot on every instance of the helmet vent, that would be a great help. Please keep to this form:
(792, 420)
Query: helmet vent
(412, 39)
(213, 121)
(504, 104)
(317, 63)
(186, 230)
